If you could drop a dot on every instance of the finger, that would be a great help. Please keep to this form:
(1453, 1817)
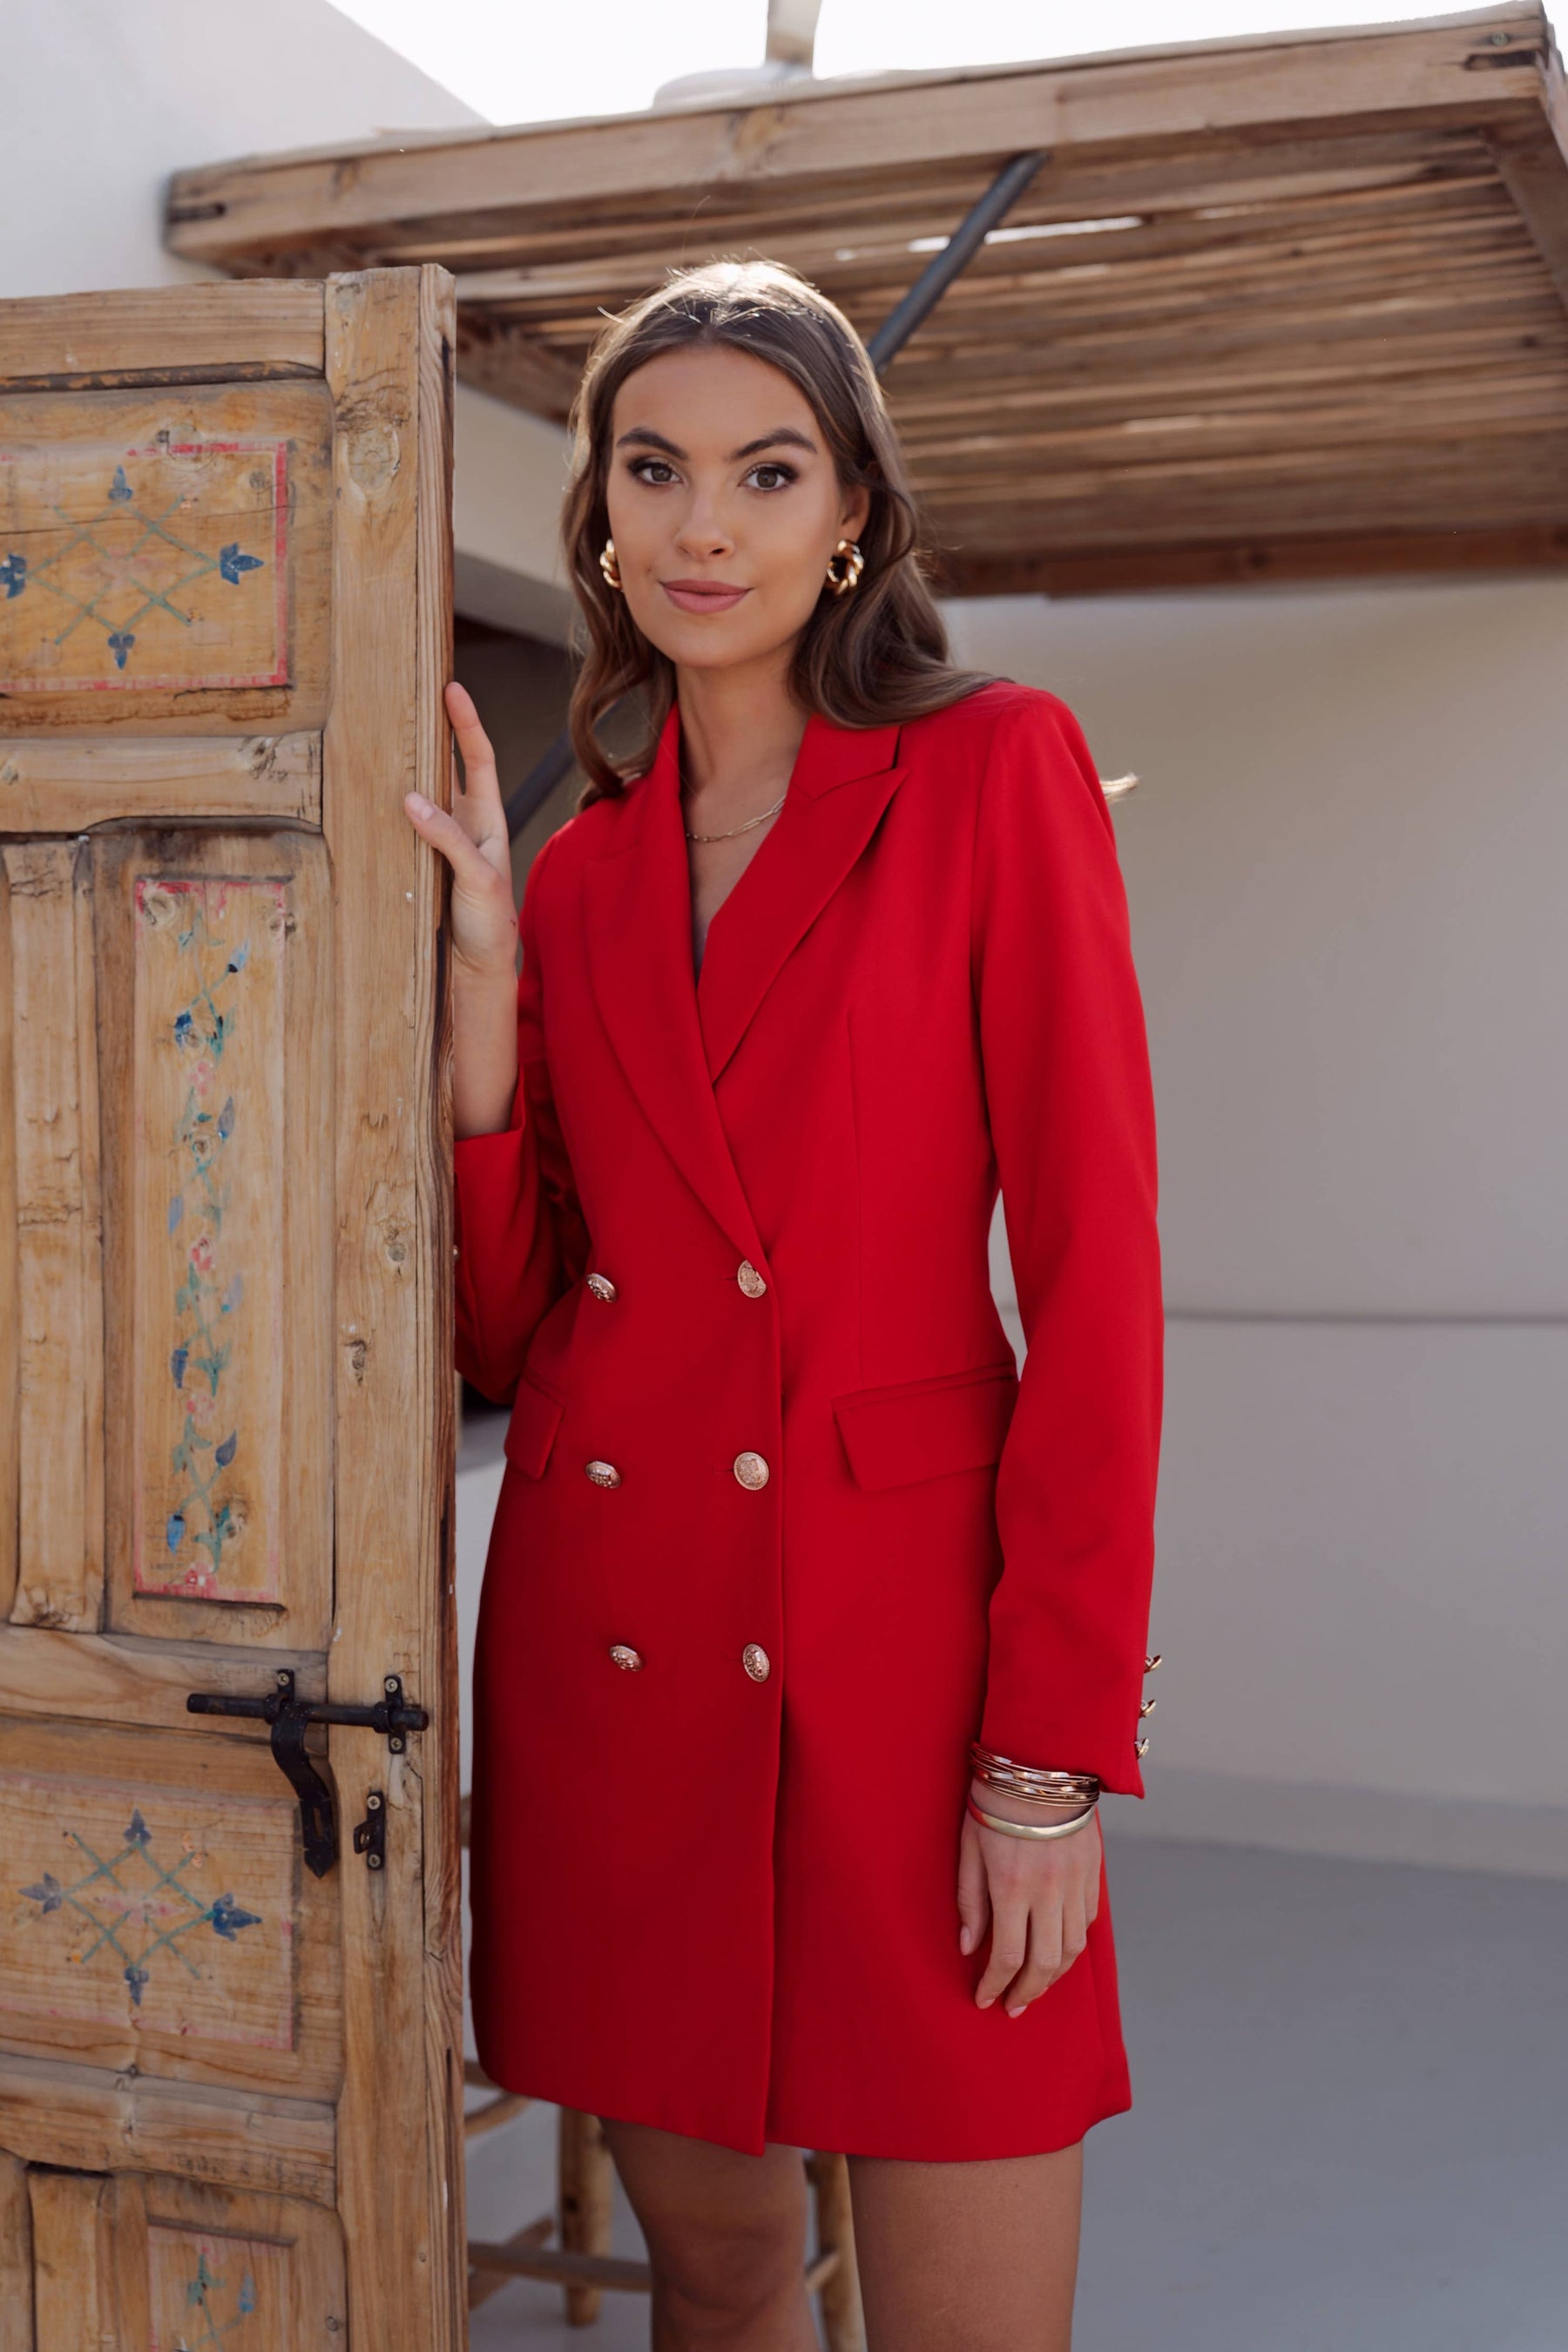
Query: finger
(1009, 1945)
(973, 1902)
(471, 868)
(1044, 1962)
(477, 752)
(1074, 1929)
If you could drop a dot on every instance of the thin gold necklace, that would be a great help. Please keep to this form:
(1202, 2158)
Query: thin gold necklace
(735, 831)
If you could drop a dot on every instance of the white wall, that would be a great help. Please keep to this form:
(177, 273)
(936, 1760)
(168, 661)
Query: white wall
(1346, 862)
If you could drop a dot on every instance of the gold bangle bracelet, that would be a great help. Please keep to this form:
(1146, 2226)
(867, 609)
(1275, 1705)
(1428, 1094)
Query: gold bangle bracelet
(1028, 1828)
(1029, 1781)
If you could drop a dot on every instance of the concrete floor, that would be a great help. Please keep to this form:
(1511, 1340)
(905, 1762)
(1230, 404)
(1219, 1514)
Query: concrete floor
(1350, 2132)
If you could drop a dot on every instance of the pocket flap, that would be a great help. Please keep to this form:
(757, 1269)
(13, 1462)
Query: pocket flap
(531, 1431)
(923, 1429)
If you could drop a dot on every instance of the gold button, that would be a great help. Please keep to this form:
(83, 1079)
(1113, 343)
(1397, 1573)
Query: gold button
(752, 1471)
(623, 1655)
(1148, 1707)
(1140, 1749)
(603, 1474)
(749, 1280)
(756, 1661)
(601, 1286)
(1150, 1664)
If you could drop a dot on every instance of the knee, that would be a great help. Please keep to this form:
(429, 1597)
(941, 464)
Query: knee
(722, 2286)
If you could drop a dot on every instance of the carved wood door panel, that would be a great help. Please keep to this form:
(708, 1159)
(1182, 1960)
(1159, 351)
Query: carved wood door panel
(230, 2059)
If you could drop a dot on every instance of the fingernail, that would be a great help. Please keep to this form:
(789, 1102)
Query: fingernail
(419, 804)
(963, 1939)
(983, 2000)
(1019, 2011)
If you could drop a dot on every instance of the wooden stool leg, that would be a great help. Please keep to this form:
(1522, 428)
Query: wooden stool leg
(587, 2181)
(843, 2321)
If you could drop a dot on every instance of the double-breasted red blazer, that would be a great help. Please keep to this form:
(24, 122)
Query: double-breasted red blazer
(781, 1528)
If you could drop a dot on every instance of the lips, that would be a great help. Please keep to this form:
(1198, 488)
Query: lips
(703, 595)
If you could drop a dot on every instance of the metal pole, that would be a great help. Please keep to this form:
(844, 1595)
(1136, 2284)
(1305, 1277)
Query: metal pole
(884, 347)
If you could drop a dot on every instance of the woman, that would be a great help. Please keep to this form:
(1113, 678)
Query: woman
(782, 1532)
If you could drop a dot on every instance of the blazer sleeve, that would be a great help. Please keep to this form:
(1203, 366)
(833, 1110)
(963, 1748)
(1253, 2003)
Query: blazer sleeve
(520, 1232)
(1072, 1121)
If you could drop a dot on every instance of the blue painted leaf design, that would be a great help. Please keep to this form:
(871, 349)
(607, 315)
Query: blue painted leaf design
(177, 1210)
(136, 1978)
(48, 1892)
(225, 1454)
(225, 1119)
(120, 645)
(14, 575)
(138, 1832)
(184, 1028)
(247, 2293)
(240, 957)
(231, 564)
(174, 1533)
(233, 1294)
(228, 1918)
(120, 488)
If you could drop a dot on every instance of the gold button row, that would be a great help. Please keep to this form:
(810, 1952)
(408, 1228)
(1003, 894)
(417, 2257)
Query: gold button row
(751, 1471)
(753, 1657)
(746, 1275)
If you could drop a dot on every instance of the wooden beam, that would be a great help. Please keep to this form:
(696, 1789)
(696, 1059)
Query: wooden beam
(1533, 169)
(1433, 71)
(1132, 571)
(261, 328)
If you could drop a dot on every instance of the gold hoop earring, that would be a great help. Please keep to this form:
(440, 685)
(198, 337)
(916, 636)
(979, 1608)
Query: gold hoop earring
(847, 555)
(607, 563)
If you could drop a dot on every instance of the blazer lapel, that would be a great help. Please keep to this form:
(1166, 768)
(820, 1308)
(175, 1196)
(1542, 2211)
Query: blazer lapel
(843, 780)
(639, 958)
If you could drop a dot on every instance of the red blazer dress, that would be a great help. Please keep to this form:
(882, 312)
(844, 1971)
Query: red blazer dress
(781, 1528)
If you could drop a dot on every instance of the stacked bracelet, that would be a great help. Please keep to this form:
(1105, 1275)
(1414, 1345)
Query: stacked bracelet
(1037, 1830)
(1029, 1784)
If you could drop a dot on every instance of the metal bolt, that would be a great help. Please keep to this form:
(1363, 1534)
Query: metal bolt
(374, 1860)
(1499, 41)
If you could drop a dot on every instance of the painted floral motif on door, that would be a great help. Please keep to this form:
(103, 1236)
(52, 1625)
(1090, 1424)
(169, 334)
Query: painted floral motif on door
(170, 1910)
(160, 566)
(210, 1141)
(212, 2291)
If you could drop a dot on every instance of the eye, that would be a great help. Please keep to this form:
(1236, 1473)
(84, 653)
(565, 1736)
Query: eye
(640, 465)
(783, 475)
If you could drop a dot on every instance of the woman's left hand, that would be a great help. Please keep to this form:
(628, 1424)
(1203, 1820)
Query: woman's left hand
(1037, 1897)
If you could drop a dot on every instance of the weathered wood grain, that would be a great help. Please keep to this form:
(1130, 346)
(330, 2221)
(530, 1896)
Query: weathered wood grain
(179, 536)
(55, 784)
(16, 2257)
(10, 1363)
(224, 213)
(186, 334)
(395, 1439)
(90, 2119)
(60, 1311)
(74, 2294)
(218, 1090)
(126, 1678)
(159, 1919)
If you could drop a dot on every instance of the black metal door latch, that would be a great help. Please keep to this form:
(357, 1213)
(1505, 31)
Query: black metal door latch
(287, 1717)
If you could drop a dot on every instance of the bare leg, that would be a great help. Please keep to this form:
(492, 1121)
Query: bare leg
(968, 2257)
(726, 2237)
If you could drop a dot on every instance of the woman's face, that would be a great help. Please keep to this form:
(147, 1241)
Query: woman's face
(723, 504)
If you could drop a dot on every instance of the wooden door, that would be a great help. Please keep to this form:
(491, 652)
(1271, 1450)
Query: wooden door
(230, 2070)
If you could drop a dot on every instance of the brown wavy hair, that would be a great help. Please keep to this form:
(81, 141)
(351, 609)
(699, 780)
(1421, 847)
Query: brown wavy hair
(878, 655)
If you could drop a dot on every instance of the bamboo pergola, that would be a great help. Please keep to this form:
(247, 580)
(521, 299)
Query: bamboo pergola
(1289, 307)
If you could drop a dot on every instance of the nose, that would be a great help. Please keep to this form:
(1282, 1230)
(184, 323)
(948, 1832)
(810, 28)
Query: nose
(703, 531)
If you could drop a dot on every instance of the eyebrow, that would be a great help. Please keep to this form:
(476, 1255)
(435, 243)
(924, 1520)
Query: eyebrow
(786, 434)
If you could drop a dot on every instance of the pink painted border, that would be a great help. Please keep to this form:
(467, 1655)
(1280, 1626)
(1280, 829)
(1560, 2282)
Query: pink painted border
(278, 677)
